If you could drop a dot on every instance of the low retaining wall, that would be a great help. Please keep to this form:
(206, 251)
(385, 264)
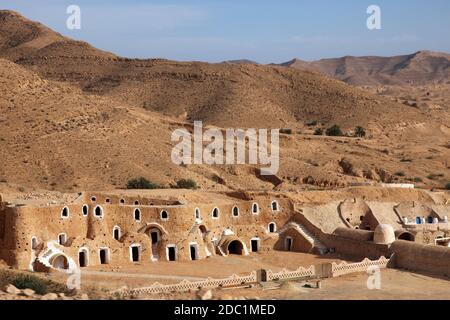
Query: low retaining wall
(325, 270)
(423, 258)
(363, 266)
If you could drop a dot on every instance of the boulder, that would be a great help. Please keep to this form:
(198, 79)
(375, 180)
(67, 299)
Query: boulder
(12, 289)
(28, 292)
(50, 296)
(205, 294)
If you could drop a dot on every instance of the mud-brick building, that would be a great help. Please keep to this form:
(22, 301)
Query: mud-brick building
(131, 227)
(134, 227)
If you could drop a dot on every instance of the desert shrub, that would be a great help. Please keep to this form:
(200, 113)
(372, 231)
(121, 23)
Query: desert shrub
(30, 282)
(400, 174)
(417, 179)
(435, 176)
(286, 131)
(334, 131)
(187, 184)
(141, 183)
(360, 132)
(447, 186)
(312, 124)
(318, 132)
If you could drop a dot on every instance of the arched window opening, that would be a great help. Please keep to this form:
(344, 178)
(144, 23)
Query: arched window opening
(65, 212)
(197, 214)
(85, 210)
(235, 211)
(215, 213)
(98, 212)
(275, 206)
(255, 208)
(137, 214)
(116, 233)
(164, 215)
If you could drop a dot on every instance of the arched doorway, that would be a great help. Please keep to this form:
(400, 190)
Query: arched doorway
(288, 244)
(406, 236)
(272, 227)
(104, 256)
(135, 253)
(155, 235)
(193, 251)
(83, 259)
(254, 244)
(60, 262)
(235, 247)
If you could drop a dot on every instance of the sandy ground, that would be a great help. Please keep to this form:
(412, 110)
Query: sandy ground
(395, 285)
(145, 274)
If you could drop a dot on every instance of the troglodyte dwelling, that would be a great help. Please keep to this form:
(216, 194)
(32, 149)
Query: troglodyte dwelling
(127, 227)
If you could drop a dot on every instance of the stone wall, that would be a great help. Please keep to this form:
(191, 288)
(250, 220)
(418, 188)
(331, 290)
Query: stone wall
(422, 258)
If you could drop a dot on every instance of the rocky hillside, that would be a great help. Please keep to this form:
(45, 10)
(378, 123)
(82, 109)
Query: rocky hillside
(74, 117)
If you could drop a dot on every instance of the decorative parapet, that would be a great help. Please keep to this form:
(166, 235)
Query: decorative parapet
(290, 275)
(235, 280)
(186, 285)
(347, 268)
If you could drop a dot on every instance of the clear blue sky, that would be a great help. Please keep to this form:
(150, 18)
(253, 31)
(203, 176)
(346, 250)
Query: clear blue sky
(260, 30)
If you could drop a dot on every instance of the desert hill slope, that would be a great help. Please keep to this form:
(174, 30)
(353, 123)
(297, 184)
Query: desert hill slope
(225, 95)
(417, 68)
(73, 117)
(20, 37)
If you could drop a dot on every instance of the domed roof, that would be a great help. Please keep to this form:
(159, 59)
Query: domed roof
(384, 234)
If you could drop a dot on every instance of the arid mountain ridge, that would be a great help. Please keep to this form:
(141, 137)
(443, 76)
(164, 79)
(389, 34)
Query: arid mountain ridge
(417, 68)
(75, 117)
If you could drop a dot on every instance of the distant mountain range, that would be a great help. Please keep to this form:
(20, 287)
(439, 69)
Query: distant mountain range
(418, 68)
